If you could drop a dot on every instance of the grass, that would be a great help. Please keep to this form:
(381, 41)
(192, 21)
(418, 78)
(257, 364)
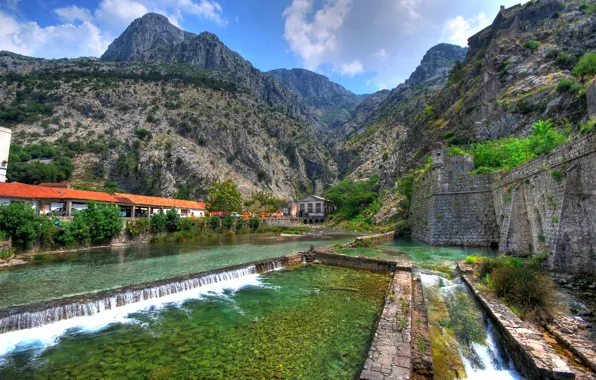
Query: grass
(521, 284)
(473, 259)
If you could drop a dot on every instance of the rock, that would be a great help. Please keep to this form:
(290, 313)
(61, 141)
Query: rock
(591, 96)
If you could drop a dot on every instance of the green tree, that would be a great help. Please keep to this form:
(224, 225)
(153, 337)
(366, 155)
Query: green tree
(254, 223)
(351, 197)
(224, 197)
(20, 222)
(172, 220)
(158, 223)
(103, 219)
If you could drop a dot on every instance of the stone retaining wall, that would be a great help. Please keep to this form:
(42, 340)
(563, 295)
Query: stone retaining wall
(422, 357)
(545, 205)
(357, 262)
(530, 352)
(371, 240)
(389, 357)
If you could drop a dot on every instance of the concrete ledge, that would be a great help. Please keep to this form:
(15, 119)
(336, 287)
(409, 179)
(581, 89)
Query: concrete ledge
(371, 240)
(357, 262)
(531, 354)
(389, 357)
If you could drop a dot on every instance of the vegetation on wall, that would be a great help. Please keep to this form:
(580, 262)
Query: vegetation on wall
(508, 153)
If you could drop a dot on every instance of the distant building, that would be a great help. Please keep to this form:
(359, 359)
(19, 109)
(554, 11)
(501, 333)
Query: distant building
(62, 201)
(5, 137)
(314, 209)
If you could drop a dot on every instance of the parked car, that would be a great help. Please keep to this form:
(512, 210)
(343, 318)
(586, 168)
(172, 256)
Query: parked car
(60, 211)
(235, 215)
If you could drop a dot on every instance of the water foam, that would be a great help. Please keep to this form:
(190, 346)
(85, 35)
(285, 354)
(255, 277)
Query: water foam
(47, 334)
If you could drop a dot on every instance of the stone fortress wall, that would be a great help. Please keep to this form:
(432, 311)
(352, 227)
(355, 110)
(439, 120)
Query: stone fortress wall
(546, 205)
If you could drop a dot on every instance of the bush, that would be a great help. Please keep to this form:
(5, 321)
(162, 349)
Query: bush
(214, 223)
(102, 219)
(586, 65)
(158, 223)
(20, 222)
(532, 45)
(138, 227)
(172, 220)
(239, 224)
(473, 259)
(75, 233)
(525, 289)
(254, 223)
(587, 127)
(141, 133)
(227, 222)
(566, 60)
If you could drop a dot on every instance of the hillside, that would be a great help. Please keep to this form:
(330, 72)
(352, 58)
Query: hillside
(507, 81)
(165, 122)
(330, 102)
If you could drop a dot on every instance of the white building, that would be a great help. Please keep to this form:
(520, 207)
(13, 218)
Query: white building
(314, 209)
(5, 138)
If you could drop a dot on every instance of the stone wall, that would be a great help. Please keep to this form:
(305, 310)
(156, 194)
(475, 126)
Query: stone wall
(451, 207)
(547, 205)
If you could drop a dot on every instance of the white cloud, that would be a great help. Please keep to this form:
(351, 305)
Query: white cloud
(388, 38)
(87, 32)
(351, 69)
(457, 30)
(73, 14)
(312, 41)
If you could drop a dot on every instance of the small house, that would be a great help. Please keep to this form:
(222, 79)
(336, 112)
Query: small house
(314, 209)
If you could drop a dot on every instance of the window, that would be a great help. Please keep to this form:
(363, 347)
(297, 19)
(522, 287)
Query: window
(310, 207)
(302, 207)
(318, 207)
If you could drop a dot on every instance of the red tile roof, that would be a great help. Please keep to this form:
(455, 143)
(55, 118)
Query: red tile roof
(162, 202)
(23, 191)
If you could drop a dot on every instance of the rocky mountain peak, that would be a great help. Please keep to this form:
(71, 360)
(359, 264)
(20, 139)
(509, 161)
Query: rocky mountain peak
(435, 65)
(148, 38)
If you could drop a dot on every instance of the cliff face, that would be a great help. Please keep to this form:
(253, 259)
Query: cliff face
(331, 102)
(507, 81)
(369, 142)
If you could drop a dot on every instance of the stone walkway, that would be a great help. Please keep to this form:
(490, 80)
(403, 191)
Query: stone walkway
(389, 357)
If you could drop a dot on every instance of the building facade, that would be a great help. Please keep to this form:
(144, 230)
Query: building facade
(314, 209)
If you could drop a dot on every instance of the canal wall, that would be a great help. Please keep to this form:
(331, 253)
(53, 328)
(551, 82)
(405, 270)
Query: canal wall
(371, 240)
(530, 352)
(547, 205)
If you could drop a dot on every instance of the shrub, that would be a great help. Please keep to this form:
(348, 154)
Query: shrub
(158, 223)
(527, 290)
(20, 222)
(557, 175)
(227, 222)
(254, 223)
(587, 127)
(103, 220)
(141, 133)
(586, 65)
(138, 227)
(172, 221)
(565, 60)
(473, 259)
(532, 45)
(214, 222)
(239, 224)
(564, 85)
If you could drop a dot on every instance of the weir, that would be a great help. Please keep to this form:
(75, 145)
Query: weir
(37, 315)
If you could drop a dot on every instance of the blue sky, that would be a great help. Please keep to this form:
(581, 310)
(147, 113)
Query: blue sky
(364, 45)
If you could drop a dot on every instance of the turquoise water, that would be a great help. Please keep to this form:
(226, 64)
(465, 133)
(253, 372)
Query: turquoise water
(304, 322)
(73, 273)
(419, 252)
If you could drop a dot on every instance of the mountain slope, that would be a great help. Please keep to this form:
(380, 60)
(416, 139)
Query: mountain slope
(174, 112)
(508, 81)
(331, 102)
(364, 144)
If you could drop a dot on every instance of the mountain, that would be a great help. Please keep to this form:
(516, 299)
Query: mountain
(508, 80)
(153, 39)
(363, 143)
(165, 112)
(331, 102)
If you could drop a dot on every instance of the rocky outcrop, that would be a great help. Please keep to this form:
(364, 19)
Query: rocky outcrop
(331, 102)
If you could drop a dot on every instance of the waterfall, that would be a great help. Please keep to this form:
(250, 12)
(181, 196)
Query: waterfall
(269, 266)
(29, 320)
(478, 349)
